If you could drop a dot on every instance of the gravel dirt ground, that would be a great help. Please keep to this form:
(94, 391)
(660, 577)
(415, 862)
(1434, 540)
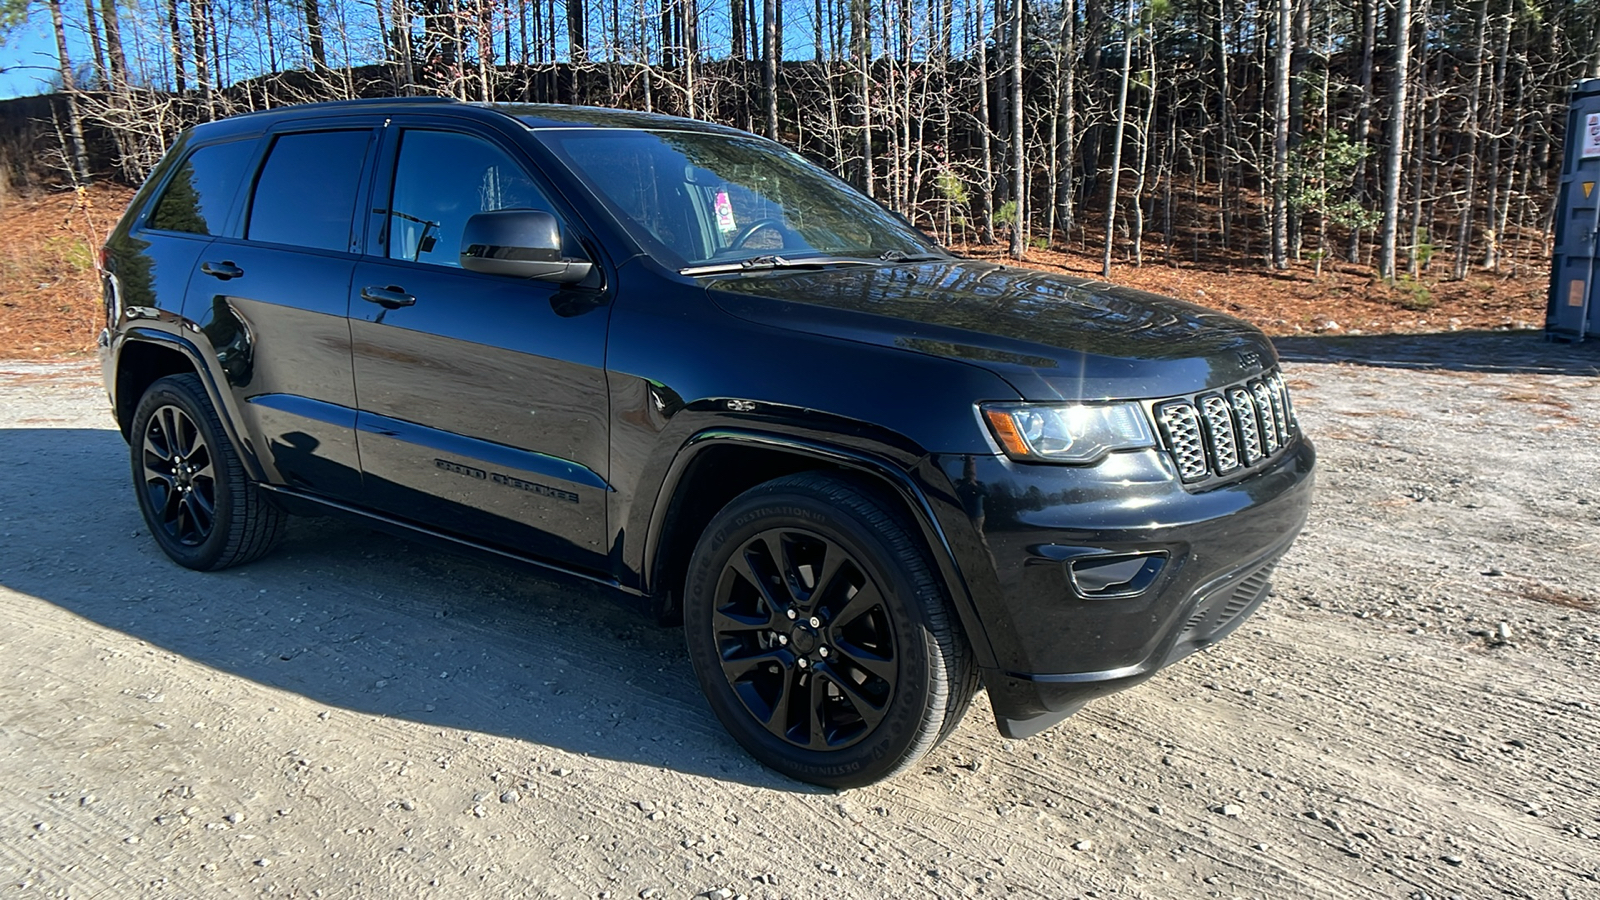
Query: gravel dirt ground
(1413, 714)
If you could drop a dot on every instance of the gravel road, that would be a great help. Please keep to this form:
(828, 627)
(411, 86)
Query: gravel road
(1413, 714)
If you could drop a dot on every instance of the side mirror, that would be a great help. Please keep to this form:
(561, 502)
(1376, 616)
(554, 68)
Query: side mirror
(525, 243)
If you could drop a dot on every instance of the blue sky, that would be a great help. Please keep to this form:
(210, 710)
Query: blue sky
(28, 63)
(29, 58)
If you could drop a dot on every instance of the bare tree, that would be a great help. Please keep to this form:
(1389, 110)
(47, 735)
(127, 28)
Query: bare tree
(1116, 142)
(1019, 162)
(769, 63)
(1400, 83)
(1280, 137)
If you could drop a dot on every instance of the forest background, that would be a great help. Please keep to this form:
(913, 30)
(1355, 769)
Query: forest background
(1399, 153)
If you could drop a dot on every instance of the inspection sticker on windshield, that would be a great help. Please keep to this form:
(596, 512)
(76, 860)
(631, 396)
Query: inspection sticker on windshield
(725, 222)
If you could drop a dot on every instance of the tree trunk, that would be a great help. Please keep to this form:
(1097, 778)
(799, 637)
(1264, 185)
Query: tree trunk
(1116, 141)
(985, 143)
(769, 64)
(402, 47)
(1400, 83)
(176, 46)
(1227, 180)
(1363, 123)
(1497, 86)
(1299, 61)
(202, 65)
(1471, 136)
(319, 56)
(89, 19)
(1019, 155)
(78, 156)
(577, 44)
(1069, 103)
(114, 55)
(1141, 167)
(863, 54)
(1280, 137)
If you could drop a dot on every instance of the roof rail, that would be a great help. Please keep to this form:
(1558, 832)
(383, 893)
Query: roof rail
(356, 102)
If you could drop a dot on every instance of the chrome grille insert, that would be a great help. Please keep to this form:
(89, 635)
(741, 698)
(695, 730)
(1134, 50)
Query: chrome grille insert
(1269, 425)
(1219, 427)
(1279, 414)
(1180, 425)
(1214, 435)
(1244, 409)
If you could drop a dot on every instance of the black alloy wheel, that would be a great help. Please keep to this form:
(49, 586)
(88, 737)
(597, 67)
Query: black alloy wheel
(201, 507)
(821, 638)
(180, 479)
(804, 639)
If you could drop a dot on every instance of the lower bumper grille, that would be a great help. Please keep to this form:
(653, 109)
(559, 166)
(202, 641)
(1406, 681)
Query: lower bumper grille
(1221, 611)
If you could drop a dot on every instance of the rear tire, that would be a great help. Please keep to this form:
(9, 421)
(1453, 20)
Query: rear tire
(820, 635)
(203, 510)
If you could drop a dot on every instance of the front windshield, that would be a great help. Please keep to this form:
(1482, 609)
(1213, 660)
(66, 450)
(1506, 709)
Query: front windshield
(692, 198)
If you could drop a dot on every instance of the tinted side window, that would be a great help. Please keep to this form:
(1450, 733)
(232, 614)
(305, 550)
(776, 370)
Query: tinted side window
(306, 194)
(443, 179)
(201, 191)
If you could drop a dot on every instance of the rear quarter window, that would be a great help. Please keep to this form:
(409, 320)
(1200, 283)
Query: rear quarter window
(200, 194)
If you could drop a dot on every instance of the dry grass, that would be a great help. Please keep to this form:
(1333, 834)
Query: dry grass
(1297, 300)
(49, 286)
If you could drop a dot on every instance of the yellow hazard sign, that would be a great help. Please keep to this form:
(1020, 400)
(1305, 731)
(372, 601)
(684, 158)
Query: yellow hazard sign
(1588, 188)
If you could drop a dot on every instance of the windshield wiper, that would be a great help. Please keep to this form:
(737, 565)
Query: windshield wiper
(902, 256)
(768, 263)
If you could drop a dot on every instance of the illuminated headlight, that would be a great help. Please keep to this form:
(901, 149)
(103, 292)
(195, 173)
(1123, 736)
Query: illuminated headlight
(1066, 432)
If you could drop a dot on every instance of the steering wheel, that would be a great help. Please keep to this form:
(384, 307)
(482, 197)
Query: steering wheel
(745, 233)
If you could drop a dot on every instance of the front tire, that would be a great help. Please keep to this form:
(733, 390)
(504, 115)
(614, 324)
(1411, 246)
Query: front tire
(202, 509)
(819, 634)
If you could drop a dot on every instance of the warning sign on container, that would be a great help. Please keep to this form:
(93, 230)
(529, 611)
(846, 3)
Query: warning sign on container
(1588, 188)
(1591, 137)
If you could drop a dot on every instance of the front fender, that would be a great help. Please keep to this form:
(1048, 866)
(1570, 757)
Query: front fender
(890, 467)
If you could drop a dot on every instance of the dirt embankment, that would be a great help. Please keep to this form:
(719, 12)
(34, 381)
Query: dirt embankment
(1413, 714)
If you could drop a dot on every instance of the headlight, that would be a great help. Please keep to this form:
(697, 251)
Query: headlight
(1066, 432)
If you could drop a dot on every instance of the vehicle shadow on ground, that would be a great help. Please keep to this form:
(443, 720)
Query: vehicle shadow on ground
(360, 620)
(1515, 352)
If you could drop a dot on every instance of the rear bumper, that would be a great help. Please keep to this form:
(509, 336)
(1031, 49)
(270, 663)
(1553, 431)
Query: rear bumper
(1051, 640)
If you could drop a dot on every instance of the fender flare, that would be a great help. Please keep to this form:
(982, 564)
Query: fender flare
(893, 477)
(220, 399)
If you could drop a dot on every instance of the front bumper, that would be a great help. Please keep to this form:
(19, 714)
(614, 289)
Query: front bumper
(1047, 644)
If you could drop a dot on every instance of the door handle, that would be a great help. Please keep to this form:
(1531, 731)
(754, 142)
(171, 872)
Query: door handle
(224, 270)
(390, 297)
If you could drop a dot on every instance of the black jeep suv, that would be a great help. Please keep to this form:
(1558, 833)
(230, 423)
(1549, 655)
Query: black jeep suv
(679, 360)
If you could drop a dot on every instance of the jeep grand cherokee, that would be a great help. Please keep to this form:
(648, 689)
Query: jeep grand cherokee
(679, 360)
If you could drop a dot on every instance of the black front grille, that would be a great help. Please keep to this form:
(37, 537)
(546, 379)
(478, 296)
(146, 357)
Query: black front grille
(1219, 433)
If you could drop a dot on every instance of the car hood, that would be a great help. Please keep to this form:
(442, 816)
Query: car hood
(1050, 336)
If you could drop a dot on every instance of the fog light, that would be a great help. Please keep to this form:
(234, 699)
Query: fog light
(1123, 575)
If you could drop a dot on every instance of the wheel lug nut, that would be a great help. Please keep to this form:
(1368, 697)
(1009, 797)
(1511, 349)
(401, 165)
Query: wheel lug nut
(783, 639)
(802, 662)
(816, 622)
(822, 651)
(792, 614)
